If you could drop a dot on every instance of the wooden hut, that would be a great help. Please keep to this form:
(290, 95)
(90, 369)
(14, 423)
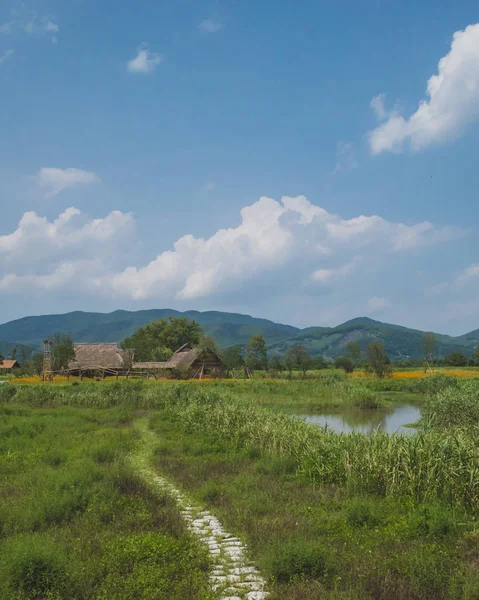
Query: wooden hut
(8, 365)
(99, 359)
(188, 361)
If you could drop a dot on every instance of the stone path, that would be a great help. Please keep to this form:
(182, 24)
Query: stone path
(233, 576)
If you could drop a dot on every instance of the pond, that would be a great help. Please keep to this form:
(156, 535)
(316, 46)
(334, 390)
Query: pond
(369, 421)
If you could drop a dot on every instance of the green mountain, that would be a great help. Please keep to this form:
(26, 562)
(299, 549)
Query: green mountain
(230, 329)
(400, 342)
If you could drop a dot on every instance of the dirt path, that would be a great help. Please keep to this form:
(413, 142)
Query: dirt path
(233, 576)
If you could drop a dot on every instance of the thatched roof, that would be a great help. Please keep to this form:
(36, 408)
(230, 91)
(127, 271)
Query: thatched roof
(183, 357)
(9, 364)
(100, 356)
(150, 365)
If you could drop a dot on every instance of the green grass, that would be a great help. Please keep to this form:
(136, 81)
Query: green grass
(320, 540)
(324, 515)
(77, 522)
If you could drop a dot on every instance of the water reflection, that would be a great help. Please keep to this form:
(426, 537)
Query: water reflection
(369, 421)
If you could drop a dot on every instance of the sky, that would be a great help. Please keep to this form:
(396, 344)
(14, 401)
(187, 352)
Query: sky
(307, 162)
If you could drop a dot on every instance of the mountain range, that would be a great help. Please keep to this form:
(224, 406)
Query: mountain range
(230, 329)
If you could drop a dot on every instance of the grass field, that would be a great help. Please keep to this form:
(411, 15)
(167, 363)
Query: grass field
(324, 515)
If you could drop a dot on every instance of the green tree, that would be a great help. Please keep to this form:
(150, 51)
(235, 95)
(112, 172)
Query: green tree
(233, 358)
(2, 358)
(62, 351)
(475, 356)
(377, 360)
(353, 352)
(319, 362)
(297, 358)
(456, 359)
(159, 339)
(343, 362)
(428, 345)
(256, 353)
(276, 365)
(208, 342)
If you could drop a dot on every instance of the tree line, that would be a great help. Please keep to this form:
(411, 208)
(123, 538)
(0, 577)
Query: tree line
(158, 340)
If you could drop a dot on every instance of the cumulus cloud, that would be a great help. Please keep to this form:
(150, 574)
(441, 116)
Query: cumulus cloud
(210, 25)
(72, 249)
(56, 180)
(5, 56)
(144, 62)
(291, 246)
(452, 102)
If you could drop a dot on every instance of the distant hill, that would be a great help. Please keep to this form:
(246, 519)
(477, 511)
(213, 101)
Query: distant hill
(228, 329)
(231, 329)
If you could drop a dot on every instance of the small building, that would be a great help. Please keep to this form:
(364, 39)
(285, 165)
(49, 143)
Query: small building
(188, 361)
(7, 365)
(100, 359)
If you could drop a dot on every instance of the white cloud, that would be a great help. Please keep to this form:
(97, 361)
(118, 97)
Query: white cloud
(57, 180)
(345, 158)
(377, 304)
(28, 21)
(452, 103)
(468, 275)
(316, 248)
(377, 104)
(5, 56)
(47, 254)
(145, 61)
(210, 25)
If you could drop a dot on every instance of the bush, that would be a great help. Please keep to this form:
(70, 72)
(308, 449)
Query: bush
(363, 514)
(35, 566)
(292, 559)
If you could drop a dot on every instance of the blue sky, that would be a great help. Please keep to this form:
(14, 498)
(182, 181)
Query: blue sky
(156, 121)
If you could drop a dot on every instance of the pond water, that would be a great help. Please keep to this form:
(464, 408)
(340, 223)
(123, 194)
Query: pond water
(369, 421)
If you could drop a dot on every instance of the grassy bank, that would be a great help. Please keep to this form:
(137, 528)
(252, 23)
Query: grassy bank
(77, 522)
(324, 515)
(321, 540)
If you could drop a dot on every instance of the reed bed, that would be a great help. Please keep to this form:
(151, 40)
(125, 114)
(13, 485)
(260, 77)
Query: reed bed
(427, 466)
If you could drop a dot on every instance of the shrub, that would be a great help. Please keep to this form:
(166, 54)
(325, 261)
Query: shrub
(36, 566)
(363, 514)
(292, 559)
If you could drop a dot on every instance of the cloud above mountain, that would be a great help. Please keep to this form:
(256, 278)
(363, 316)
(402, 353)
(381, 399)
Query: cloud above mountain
(297, 250)
(451, 106)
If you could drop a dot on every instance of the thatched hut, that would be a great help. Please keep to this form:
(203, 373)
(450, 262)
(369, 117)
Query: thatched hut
(100, 359)
(187, 362)
(8, 365)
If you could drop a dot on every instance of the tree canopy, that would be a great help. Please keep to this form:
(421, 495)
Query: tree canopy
(377, 360)
(256, 353)
(298, 358)
(158, 340)
(233, 358)
(62, 351)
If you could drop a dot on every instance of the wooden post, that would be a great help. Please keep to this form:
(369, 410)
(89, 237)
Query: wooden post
(81, 375)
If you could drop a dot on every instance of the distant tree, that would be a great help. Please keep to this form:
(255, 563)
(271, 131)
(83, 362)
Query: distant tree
(159, 339)
(2, 358)
(475, 356)
(456, 359)
(428, 344)
(345, 363)
(35, 365)
(14, 353)
(62, 351)
(319, 362)
(207, 342)
(232, 358)
(276, 364)
(377, 360)
(353, 352)
(24, 353)
(297, 358)
(256, 353)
